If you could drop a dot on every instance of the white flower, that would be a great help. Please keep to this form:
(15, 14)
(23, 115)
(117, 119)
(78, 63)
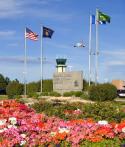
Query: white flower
(62, 130)
(23, 135)
(10, 126)
(103, 122)
(2, 130)
(23, 142)
(5, 129)
(123, 130)
(13, 120)
(3, 122)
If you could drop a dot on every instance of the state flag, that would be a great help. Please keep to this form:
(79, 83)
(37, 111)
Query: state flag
(47, 32)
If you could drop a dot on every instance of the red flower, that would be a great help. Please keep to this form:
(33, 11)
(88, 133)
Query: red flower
(40, 124)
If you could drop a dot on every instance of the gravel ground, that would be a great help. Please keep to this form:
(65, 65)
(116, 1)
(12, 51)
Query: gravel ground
(66, 99)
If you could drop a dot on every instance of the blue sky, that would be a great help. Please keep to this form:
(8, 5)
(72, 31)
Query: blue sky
(70, 21)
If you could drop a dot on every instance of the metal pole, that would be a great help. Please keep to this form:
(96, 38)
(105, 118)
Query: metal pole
(90, 38)
(25, 67)
(97, 50)
(41, 47)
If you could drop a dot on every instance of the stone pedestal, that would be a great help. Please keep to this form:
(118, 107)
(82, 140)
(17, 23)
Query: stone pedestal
(68, 81)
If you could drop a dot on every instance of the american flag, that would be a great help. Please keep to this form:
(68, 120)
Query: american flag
(31, 35)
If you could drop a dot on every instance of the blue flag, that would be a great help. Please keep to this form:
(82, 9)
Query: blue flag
(47, 32)
(93, 19)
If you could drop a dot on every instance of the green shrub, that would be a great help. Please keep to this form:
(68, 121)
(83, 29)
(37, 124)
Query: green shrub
(14, 88)
(85, 96)
(104, 111)
(53, 93)
(44, 94)
(78, 93)
(3, 97)
(102, 92)
(66, 94)
(73, 93)
(33, 95)
(17, 97)
(110, 111)
(114, 142)
(56, 94)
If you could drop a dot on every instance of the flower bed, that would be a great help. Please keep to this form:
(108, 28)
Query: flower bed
(22, 126)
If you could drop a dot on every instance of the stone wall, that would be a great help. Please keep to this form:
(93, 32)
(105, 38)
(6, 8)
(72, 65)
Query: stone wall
(68, 81)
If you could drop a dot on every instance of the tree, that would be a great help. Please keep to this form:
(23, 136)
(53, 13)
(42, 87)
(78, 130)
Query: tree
(14, 88)
(2, 82)
(47, 85)
(32, 87)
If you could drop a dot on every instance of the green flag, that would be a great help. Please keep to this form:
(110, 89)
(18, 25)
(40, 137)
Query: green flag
(103, 18)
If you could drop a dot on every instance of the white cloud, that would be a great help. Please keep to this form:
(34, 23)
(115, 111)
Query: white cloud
(10, 8)
(17, 8)
(119, 52)
(49, 13)
(13, 44)
(7, 33)
(116, 63)
(20, 59)
(114, 57)
(59, 45)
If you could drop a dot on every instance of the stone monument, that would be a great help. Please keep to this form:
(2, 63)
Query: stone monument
(66, 81)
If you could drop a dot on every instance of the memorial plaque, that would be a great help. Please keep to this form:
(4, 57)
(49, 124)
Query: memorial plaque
(68, 81)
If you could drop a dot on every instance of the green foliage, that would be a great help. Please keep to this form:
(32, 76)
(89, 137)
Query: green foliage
(3, 97)
(47, 85)
(56, 94)
(102, 92)
(104, 111)
(3, 83)
(66, 94)
(73, 93)
(24, 100)
(44, 94)
(115, 142)
(85, 95)
(78, 93)
(53, 93)
(33, 95)
(14, 88)
(53, 108)
(98, 111)
(85, 85)
(32, 88)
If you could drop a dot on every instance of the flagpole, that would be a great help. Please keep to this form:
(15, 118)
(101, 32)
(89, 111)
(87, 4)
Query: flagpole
(97, 50)
(25, 66)
(41, 61)
(90, 38)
